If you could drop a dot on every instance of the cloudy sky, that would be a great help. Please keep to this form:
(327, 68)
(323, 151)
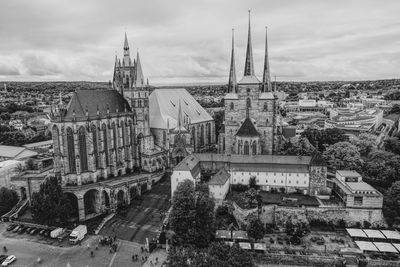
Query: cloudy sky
(184, 41)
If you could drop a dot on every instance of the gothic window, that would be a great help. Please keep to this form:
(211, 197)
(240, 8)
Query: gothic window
(202, 135)
(254, 148)
(194, 137)
(208, 133)
(115, 139)
(71, 150)
(248, 103)
(232, 106)
(248, 91)
(265, 106)
(82, 149)
(223, 144)
(94, 138)
(246, 148)
(105, 142)
(164, 137)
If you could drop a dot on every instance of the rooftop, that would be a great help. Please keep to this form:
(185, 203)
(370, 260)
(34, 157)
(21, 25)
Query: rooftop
(220, 178)
(93, 100)
(348, 173)
(247, 129)
(164, 108)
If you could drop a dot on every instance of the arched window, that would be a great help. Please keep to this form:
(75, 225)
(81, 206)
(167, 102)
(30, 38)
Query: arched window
(164, 137)
(248, 103)
(115, 139)
(105, 142)
(194, 137)
(265, 106)
(254, 148)
(71, 150)
(82, 149)
(246, 148)
(95, 144)
(202, 135)
(208, 133)
(232, 106)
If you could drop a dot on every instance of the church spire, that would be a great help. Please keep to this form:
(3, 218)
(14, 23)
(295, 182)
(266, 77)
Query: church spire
(266, 85)
(249, 64)
(232, 72)
(115, 72)
(127, 59)
(139, 82)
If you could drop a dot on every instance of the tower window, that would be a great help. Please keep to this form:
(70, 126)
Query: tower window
(248, 103)
(248, 91)
(265, 106)
(232, 106)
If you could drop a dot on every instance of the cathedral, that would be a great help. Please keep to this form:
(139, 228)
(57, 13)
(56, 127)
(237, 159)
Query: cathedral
(112, 144)
(252, 120)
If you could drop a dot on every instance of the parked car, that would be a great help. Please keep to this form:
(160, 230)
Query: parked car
(16, 229)
(34, 231)
(10, 259)
(42, 232)
(11, 227)
(22, 229)
(3, 258)
(28, 229)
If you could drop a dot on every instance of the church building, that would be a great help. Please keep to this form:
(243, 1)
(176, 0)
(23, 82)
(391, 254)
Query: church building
(252, 120)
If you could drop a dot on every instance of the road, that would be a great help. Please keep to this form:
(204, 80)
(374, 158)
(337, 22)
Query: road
(28, 251)
(143, 218)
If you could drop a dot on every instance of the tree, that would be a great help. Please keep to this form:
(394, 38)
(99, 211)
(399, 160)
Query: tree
(343, 156)
(50, 205)
(392, 144)
(192, 216)
(391, 207)
(395, 109)
(298, 146)
(8, 199)
(253, 182)
(366, 143)
(382, 168)
(256, 229)
(321, 139)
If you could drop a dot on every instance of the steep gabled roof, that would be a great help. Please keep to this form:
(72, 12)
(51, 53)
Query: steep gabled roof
(91, 100)
(220, 177)
(247, 129)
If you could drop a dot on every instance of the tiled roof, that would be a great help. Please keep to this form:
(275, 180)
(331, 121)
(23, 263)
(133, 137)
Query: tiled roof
(90, 100)
(247, 129)
(164, 108)
(220, 177)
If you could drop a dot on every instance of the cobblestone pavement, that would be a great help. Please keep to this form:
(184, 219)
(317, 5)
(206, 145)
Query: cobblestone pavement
(144, 218)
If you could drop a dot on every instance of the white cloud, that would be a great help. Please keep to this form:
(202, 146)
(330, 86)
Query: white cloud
(188, 41)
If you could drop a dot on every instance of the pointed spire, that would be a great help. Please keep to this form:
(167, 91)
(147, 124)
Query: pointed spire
(127, 57)
(126, 45)
(266, 75)
(232, 73)
(249, 64)
(139, 72)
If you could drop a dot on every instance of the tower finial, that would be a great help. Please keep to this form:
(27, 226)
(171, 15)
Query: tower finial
(232, 71)
(266, 85)
(249, 64)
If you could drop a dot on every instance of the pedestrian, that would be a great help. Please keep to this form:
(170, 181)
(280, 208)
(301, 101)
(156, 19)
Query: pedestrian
(133, 257)
(136, 256)
(156, 259)
(151, 263)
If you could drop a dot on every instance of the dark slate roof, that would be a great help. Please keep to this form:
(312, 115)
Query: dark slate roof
(317, 159)
(220, 177)
(93, 99)
(247, 129)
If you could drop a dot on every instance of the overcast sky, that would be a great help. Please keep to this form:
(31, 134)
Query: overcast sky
(182, 41)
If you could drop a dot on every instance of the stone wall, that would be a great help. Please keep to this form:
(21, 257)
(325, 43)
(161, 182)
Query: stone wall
(273, 214)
